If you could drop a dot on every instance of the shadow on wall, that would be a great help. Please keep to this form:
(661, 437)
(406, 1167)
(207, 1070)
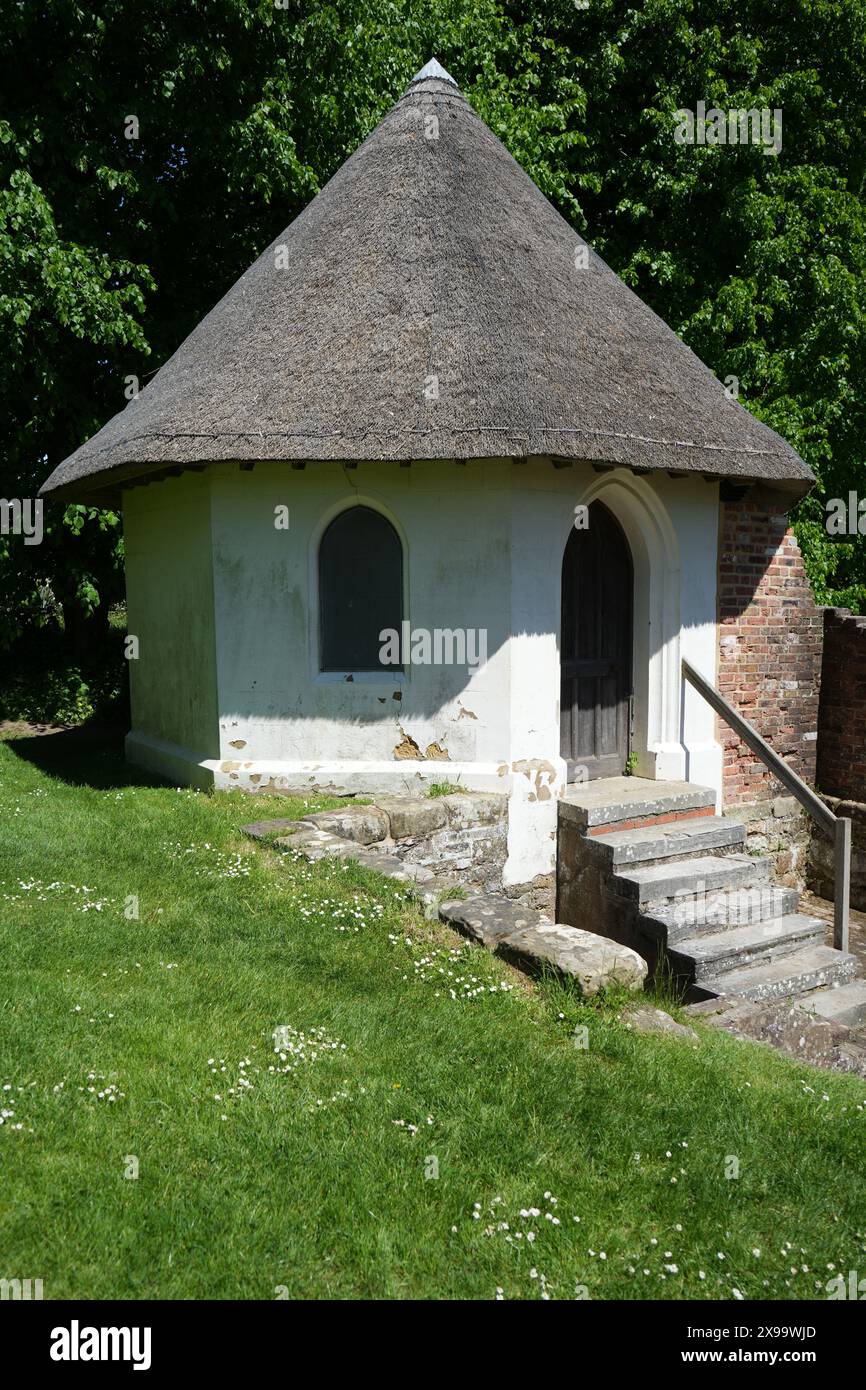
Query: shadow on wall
(842, 714)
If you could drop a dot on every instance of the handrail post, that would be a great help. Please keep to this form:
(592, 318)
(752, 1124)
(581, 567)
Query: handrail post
(842, 876)
(837, 826)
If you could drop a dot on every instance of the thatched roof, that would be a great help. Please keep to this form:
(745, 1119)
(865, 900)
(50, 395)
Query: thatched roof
(427, 258)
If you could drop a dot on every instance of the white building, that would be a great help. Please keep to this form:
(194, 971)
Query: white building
(427, 403)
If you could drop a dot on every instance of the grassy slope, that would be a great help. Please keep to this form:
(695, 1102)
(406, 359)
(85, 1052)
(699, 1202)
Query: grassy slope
(308, 1183)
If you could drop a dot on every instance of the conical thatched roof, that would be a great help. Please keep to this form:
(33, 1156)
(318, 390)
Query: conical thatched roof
(430, 263)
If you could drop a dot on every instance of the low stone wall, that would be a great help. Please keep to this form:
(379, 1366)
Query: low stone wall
(377, 836)
(780, 829)
(820, 861)
(464, 834)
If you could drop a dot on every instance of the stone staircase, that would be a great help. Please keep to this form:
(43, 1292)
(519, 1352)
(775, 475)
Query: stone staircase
(651, 865)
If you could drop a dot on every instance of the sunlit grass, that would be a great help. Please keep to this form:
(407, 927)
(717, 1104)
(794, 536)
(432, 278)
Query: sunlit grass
(430, 1128)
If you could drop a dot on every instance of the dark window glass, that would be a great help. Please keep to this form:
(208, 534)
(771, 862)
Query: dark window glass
(360, 590)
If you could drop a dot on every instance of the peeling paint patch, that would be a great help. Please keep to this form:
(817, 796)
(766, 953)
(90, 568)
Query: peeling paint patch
(465, 713)
(540, 773)
(398, 695)
(538, 765)
(436, 752)
(229, 766)
(255, 777)
(502, 770)
(238, 743)
(407, 747)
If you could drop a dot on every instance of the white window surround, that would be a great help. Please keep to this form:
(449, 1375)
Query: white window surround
(317, 675)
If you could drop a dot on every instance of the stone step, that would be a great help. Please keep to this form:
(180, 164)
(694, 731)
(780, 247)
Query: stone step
(715, 955)
(809, 968)
(675, 840)
(623, 799)
(658, 883)
(839, 1003)
(721, 911)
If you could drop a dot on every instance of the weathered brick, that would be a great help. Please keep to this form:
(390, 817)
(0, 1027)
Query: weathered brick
(770, 651)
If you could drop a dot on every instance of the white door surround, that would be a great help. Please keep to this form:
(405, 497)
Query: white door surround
(674, 734)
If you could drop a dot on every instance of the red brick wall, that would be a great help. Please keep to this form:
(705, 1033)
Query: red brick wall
(842, 716)
(770, 645)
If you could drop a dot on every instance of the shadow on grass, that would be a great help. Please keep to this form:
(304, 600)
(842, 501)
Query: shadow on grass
(90, 756)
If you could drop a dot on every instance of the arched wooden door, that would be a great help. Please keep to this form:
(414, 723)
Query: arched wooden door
(595, 655)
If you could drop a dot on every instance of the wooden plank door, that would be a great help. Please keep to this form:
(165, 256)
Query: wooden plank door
(596, 643)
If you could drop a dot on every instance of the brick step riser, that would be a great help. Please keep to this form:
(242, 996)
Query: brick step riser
(644, 822)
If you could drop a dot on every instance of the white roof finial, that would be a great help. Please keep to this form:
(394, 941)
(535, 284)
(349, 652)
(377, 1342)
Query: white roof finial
(434, 69)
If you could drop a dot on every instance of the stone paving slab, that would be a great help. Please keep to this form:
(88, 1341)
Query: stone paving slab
(392, 867)
(364, 824)
(488, 919)
(317, 844)
(413, 818)
(613, 799)
(264, 829)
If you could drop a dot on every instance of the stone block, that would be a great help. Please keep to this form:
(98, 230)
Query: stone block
(595, 962)
(415, 818)
(478, 808)
(488, 919)
(364, 824)
(392, 867)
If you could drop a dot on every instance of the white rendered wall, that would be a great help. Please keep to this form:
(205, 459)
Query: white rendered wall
(483, 547)
(170, 612)
(276, 705)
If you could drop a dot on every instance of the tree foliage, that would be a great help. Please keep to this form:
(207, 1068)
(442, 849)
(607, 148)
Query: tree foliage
(112, 249)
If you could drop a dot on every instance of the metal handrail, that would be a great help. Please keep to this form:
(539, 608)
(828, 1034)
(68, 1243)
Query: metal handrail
(838, 827)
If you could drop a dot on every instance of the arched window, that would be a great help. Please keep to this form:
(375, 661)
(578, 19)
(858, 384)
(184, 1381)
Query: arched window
(360, 590)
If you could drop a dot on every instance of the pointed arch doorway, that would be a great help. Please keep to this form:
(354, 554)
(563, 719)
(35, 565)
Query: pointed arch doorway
(596, 648)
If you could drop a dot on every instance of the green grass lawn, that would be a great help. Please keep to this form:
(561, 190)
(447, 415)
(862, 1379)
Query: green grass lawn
(430, 1131)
